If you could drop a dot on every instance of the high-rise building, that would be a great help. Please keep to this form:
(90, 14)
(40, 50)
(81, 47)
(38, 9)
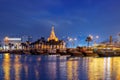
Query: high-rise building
(30, 38)
(27, 38)
(24, 38)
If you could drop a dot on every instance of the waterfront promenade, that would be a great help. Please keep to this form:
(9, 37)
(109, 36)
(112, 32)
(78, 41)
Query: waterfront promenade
(72, 52)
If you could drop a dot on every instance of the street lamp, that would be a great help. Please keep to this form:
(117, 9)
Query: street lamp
(97, 37)
(95, 40)
(72, 40)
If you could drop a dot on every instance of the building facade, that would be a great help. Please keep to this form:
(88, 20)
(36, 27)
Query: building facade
(12, 43)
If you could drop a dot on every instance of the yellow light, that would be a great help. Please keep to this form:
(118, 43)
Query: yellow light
(6, 66)
(6, 38)
(7, 55)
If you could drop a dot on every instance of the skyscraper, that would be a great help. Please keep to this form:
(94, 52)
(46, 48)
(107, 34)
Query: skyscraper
(27, 38)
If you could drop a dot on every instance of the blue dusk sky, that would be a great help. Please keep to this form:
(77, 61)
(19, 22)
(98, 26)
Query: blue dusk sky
(70, 17)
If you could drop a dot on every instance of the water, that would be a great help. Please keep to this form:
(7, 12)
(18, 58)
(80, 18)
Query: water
(36, 67)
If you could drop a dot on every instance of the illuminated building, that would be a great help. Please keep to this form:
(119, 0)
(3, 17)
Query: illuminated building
(52, 36)
(12, 43)
(51, 43)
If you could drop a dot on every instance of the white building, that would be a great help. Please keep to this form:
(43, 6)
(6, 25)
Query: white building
(12, 43)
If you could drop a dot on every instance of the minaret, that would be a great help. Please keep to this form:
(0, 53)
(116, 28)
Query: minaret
(52, 35)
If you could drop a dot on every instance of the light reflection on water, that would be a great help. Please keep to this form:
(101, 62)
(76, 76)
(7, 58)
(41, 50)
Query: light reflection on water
(36, 67)
(6, 68)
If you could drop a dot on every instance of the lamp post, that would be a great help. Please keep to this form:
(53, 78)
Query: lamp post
(96, 38)
(95, 41)
(75, 39)
(72, 41)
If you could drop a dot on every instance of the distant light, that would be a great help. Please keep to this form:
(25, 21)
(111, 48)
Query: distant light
(97, 37)
(70, 39)
(6, 38)
(14, 39)
(75, 39)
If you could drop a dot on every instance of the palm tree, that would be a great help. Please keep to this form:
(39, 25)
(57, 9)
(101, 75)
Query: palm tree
(88, 39)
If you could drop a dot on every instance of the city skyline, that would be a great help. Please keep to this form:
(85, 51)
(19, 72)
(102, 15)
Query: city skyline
(59, 39)
(73, 18)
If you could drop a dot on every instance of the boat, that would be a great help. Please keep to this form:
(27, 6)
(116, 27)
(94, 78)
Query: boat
(26, 52)
(89, 53)
(107, 53)
(75, 53)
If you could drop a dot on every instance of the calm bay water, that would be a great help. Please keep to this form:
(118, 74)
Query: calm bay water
(36, 67)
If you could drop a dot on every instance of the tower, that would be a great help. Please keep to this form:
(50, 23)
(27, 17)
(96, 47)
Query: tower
(111, 40)
(118, 38)
(52, 35)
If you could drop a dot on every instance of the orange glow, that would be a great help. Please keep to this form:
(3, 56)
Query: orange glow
(52, 35)
(17, 67)
(72, 70)
(6, 66)
(104, 68)
(6, 39)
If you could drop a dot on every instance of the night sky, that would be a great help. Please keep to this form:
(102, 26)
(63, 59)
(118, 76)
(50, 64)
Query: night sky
(70, 17)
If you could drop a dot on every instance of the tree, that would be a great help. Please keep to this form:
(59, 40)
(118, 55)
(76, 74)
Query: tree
(88, 39)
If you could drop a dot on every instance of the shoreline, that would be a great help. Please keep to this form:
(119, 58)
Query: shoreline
(73, 52)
